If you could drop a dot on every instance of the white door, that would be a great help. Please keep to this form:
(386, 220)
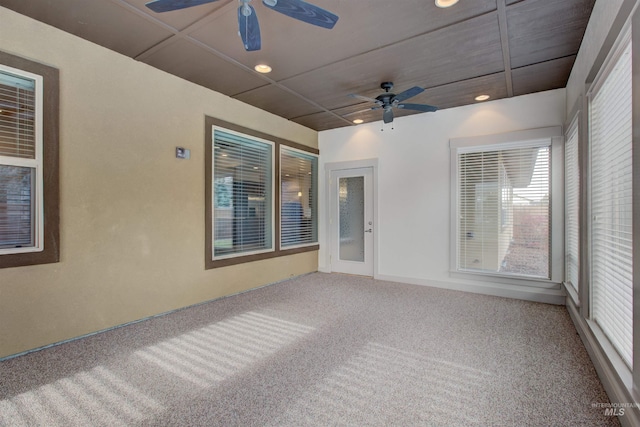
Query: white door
(351, 221)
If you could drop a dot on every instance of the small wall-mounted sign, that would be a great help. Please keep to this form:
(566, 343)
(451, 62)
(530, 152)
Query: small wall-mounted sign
(183, 153)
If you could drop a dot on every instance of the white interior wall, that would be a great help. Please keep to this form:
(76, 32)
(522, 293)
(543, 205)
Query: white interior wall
(413, 193)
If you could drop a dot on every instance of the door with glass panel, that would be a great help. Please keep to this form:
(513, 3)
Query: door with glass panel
(352, 221)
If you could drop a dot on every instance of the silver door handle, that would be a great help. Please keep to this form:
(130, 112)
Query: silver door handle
(368, 231)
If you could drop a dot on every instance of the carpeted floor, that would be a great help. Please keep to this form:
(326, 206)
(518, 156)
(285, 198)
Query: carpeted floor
(319, 350)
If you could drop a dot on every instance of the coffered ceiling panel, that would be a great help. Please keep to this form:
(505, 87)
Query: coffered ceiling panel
(321, 121)
(464, 92)
(539, 33)
(499, 47)
(543, 76)
(194, 63)
(424, 61)
(278, 101)
(103, 22)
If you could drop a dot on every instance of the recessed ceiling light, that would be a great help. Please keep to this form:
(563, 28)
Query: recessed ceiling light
(445, 3)
(255, 167)
(262, 68)
(358, 121)
(482, 97)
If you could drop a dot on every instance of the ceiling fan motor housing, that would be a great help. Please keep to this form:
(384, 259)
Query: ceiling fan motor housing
(386, 98)
(387, 86)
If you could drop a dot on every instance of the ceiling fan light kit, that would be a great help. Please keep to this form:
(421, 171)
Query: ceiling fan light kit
(248, 26)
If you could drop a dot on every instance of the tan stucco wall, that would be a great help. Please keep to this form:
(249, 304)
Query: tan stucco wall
(132, 215)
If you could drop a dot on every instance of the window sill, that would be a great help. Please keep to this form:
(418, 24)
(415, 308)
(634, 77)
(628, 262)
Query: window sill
(573, 294)
(503, 279)
(241, 259)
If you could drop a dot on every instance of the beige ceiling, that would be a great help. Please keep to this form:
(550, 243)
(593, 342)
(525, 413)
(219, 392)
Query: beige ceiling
(501, 48)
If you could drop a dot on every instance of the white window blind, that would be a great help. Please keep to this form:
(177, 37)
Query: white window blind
(242, 194)
(611, 203)
(19, 162)
(571, 210)
(298, 198)
(17, 116)
(503, 209)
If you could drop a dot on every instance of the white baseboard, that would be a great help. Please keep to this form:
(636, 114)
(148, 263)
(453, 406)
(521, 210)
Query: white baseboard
(613, 384)
(527, 293)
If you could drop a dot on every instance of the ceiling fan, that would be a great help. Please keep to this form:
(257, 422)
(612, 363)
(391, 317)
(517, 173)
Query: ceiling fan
(248, 26)
(388, 101)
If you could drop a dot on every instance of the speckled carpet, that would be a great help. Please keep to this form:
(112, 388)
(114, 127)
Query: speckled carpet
(318, 350)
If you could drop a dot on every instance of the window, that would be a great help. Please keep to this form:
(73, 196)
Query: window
(242, 194)
(502, 204)
(298, 198)
(28, 154)
(571, 209)
(245, 218)
(611, 201)
(20, 163)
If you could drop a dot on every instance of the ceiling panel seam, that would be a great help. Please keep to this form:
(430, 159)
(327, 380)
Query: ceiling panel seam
(504, 38)
(545, 61)
(144, 15)
(177, 34)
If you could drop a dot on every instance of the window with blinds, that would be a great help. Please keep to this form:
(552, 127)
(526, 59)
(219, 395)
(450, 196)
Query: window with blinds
(242, 194)
(610, 125)
(298, 198)
(20, 162)
(504, 210)
(571, 209)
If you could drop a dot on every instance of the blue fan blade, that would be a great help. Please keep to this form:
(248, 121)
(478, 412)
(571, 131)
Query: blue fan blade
(169, 5)
(305, 12)
(249, 29)
(418, 107)
(408, 93)
(387, 116)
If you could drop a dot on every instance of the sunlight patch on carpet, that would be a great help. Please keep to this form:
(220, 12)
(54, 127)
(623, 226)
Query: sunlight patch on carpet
(80, 400)
(215, 352)
(383, 383)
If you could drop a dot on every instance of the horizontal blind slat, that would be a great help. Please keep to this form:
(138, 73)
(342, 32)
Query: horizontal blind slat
(611, 205)
(242, 196)
(298, 198)
(503, 202)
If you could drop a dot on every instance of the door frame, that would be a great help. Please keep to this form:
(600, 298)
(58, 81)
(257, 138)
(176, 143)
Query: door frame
(329, 168)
